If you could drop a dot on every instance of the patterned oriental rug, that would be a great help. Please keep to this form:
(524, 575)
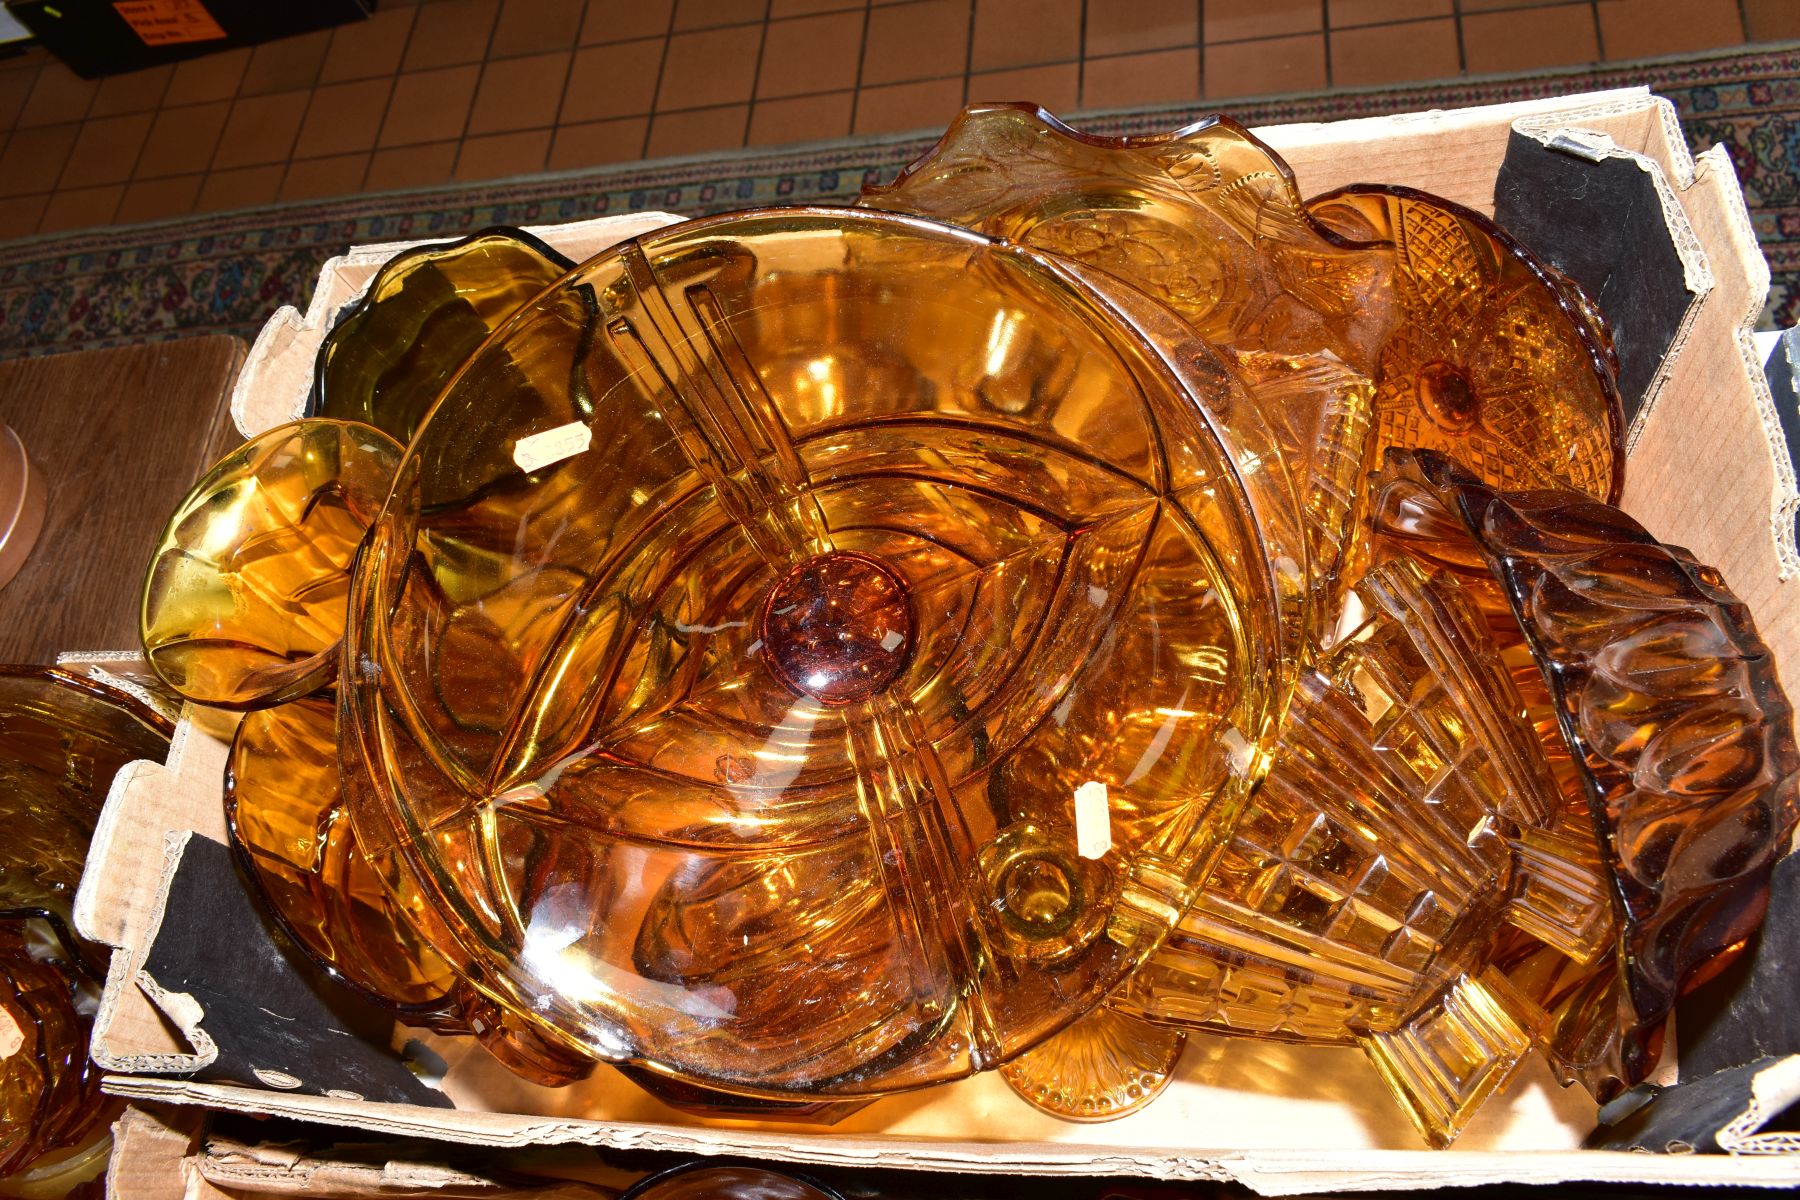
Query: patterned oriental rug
(228, 272)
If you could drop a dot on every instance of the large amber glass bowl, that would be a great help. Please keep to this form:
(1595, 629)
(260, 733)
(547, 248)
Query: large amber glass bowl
(810, 652)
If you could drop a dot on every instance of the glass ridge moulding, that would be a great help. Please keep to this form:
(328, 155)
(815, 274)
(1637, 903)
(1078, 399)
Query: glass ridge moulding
(747, 616)
(244, 601)
(1368, 318)
(1669, 699)
(421, 317)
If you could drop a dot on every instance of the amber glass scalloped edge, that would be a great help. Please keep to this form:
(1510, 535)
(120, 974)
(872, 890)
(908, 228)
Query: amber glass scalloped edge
(1645, 1009)
(93, 687)
(405, 261)
(948, 141)
(427, 1012)
(1602, 355)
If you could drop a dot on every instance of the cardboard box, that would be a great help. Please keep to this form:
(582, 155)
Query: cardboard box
(1706, 471)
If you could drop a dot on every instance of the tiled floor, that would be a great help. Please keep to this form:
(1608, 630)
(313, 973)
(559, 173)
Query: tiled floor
(476, 89)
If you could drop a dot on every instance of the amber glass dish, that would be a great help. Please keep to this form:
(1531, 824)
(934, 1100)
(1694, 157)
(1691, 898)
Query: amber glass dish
(62, 739)
(244, 601)
(751, 620)
(421, 317)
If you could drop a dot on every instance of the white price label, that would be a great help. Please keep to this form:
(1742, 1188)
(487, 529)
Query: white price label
(540, 450)
(1093, 820)
(12, 1038)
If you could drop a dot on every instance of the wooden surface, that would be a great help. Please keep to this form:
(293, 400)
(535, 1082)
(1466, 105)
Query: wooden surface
(121, 435)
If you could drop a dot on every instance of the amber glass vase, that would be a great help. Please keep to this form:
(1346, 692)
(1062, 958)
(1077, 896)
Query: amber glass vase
(810, 653)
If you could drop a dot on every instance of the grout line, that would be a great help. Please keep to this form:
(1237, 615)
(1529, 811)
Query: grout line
(662, 65)
(1462, 50)
(462, 142)
(1081, 62)
(1599, 34)
(393, 91)
(969, 53)
(562, 101)
(862, 54)
(762, 44)
(1325, 32)
(1200, 44)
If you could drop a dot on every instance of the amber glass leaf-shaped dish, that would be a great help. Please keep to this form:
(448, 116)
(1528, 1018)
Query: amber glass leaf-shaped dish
(243, 603)
(1494, 358)
(422, 316)
(746, 619)
(285, 813)
(1667, 694)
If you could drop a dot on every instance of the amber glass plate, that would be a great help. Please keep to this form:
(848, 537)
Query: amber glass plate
(810, 653)
(1495, 358)
(244, 601)
(422, 316)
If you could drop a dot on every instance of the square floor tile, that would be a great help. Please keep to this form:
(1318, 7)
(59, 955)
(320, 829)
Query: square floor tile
(33, 158)
(536, 27)
(451, 32)
(81, 208)
(1056, 87)
(286, 65)
(365, 49)
(1023, 33)
(899, 108)
(19, 215)
(502, 155)
(212, 77)
(626, 20)
(1266, 66)
(1772, 20)
(613, 80)
(1647, 28)
(811, 54)
(708, 68)
(1161, 76)
(1524, 39)
(1344, 13)
(106, 151)
(430, 106)
(1142, 25)
(158, 199)
(594, 142)
(699, 131)
(317, 178)
(1236, 20)
(520, 93)
(343, 117)
(182, 140)
(922, 40)
(134, 91)
(801, 119)
(411, 166)
(243, 187)
(1394, 53)
(59, 95)
(707, 14)
(15, 89)
(261, 129)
